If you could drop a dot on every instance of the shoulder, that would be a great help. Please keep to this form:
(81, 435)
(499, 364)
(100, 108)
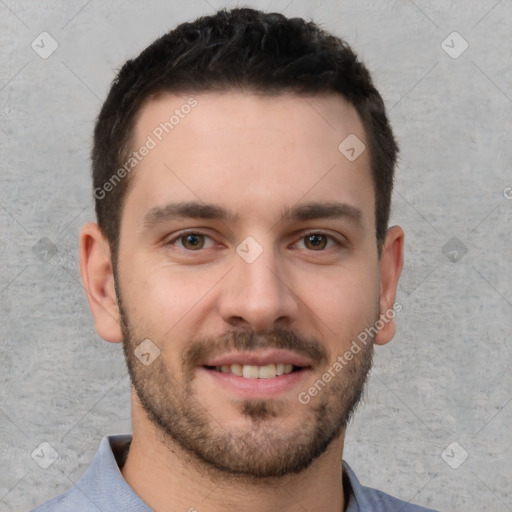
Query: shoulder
(365, 499)
(383, 502)
(102, 486)
(70, 501)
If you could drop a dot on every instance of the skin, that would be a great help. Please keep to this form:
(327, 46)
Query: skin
(254, 156)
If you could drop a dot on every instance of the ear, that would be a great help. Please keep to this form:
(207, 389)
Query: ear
(98, 278)
(391, 263)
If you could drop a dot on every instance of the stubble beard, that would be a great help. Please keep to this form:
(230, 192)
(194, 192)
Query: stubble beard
(264, 448)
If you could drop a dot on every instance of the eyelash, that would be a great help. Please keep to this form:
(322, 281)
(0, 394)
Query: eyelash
(184, 234)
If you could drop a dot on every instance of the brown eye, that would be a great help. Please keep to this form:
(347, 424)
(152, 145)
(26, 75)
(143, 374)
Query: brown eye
(192, 241)
(315, 241)
(184, 243)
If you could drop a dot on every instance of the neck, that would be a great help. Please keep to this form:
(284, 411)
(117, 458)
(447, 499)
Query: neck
(168, 479)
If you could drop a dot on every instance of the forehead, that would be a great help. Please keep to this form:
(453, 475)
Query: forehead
(251, 153)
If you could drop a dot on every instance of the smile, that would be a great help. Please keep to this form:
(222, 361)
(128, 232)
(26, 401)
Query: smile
(248, 371)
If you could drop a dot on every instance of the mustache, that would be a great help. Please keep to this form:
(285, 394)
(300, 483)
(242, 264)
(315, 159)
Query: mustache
(247, 340)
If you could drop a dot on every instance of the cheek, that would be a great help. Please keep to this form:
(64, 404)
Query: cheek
(166, 298)
(346, 302)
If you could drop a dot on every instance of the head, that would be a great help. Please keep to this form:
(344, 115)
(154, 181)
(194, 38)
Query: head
(239, 50)
(242, 230)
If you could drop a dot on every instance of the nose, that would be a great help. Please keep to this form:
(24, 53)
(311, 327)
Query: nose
(258, 294)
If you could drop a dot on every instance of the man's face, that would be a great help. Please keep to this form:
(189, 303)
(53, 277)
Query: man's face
(275, 264)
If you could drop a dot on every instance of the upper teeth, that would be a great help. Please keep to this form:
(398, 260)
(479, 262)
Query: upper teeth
(250, 371)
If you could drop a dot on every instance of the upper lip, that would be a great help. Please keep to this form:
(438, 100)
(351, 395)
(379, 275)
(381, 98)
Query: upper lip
(260, 358)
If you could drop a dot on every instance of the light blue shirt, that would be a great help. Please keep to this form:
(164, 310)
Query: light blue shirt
(103, 488)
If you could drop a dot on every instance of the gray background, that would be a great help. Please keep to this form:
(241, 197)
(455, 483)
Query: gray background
(445, 378)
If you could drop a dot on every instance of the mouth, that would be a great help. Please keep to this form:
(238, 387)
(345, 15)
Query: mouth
(257, 375)
(249, 371)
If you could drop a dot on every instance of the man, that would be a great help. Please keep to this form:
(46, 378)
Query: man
(243, 168)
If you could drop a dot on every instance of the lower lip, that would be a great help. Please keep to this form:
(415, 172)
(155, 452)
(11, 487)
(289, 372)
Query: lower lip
(254, 388)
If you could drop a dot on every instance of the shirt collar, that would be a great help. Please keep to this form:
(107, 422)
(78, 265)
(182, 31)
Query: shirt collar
(104, 484)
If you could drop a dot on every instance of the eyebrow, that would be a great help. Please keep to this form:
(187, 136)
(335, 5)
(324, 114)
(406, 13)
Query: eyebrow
(189, 209)
(200, 210)
(317, 210)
